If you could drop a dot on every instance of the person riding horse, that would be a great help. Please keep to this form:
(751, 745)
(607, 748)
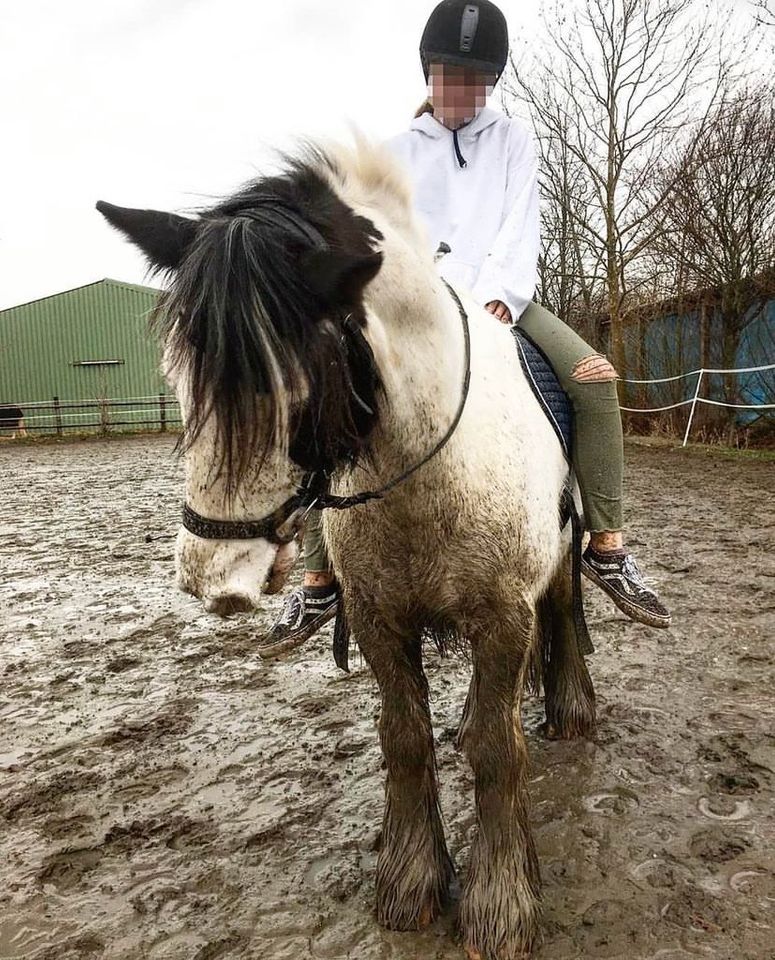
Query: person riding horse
(474, 174)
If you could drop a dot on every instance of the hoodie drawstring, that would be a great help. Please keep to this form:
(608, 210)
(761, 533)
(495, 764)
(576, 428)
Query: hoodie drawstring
(460, 158)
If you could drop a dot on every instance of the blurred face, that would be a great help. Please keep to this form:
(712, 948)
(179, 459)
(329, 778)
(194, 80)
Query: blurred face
(457, 93)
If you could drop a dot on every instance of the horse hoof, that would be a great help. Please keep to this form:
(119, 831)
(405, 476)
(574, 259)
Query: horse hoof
(550, 731)
(473, 954)
(426, 917)
(578, 731)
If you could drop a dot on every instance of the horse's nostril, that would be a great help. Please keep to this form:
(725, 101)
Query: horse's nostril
(228, 603)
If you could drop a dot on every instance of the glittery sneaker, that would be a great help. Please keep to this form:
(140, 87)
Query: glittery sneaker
(618, 575)
(304, 613)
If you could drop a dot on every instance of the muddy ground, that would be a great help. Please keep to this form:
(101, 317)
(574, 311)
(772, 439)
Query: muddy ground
(165, 794)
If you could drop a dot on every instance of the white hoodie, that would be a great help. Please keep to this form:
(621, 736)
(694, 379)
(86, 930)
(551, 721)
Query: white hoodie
(487, 211)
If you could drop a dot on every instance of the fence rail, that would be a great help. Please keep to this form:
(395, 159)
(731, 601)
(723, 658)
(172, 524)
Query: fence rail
(161, 411)
(696, 398)
(100, 415)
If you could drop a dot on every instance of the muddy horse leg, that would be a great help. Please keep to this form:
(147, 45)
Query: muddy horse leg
(500, 906)
(414, 868)
(569, 694)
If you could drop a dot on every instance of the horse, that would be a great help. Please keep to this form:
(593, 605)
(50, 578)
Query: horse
(11, 420)
(320, 359)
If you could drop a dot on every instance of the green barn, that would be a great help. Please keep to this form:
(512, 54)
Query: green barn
(84, 358)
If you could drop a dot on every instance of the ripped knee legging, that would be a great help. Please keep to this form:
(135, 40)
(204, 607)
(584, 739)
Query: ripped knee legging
(590, 382)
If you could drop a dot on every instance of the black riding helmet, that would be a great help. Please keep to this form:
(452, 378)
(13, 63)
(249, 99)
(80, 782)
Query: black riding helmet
(467, 35)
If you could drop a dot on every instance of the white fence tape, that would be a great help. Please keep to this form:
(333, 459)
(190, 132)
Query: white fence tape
(671, 406)
(697, 398)
(693, 373)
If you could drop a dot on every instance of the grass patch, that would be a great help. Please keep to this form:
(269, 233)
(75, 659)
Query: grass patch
(702, 449)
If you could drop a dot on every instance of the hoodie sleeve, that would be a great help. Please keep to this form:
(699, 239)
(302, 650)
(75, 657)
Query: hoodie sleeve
(510, 270)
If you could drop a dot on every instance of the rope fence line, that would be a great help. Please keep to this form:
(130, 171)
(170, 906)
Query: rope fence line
(672, 406)
(697, 398)
(694, 373)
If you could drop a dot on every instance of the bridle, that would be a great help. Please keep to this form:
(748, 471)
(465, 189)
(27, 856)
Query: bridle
(282, 525)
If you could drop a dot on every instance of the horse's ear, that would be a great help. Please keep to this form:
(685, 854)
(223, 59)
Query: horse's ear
(164, 238)
(338, 279)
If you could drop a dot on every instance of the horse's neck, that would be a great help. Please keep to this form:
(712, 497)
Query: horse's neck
(421, 353)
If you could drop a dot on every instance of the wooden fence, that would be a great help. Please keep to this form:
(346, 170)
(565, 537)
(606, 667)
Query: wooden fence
(103, 415)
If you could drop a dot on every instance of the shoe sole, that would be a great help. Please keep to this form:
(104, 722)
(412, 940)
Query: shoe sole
(633, 611)
(271, 651)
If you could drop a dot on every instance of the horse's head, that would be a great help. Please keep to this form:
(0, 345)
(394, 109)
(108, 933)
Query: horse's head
(264, 326)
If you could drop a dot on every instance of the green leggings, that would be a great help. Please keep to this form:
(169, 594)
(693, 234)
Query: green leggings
(598, 450)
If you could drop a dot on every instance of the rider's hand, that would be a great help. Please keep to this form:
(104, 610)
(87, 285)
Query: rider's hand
(499, 309)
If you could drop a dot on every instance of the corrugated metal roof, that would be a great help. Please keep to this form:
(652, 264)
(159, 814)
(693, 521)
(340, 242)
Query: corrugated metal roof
(119, 283)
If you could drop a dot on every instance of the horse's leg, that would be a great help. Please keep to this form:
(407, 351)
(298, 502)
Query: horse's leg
(500, 906)
(568, 691)
(414, 868)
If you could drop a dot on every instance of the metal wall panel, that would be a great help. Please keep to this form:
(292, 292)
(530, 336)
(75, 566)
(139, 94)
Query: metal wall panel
(44, 344)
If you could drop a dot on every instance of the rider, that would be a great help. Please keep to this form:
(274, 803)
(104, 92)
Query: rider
(475, 180)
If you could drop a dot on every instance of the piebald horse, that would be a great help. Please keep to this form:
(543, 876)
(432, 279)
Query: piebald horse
(309, 334)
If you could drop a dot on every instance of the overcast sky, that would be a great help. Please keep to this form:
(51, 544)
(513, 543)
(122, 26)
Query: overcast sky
(164, 103)
(170, 103)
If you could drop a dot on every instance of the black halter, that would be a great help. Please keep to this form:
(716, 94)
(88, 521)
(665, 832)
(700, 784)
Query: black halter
(282, 525)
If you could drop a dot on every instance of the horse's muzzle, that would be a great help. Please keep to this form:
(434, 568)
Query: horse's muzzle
(231, 577)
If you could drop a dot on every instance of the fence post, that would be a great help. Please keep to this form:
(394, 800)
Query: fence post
(694, 407)
(162, 413)
(104, 415)
(58, 416)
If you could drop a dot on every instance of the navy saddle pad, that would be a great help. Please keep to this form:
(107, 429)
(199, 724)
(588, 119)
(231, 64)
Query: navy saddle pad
(545, 385)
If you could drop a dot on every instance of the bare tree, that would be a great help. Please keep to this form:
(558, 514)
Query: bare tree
(715, 226)
(764, 13)
(569, 268)
(614, 83)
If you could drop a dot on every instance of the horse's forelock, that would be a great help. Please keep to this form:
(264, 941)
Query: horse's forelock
(247, 324)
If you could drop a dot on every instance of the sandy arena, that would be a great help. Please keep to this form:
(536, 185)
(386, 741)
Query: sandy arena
(165, 794)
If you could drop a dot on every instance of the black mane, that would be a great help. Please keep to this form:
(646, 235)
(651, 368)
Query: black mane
(268, 302)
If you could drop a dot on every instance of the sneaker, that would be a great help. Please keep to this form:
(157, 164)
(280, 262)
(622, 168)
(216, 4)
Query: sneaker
(618, 575)
(304, 613)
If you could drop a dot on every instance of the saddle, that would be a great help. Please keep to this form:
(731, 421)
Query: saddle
(543, 382)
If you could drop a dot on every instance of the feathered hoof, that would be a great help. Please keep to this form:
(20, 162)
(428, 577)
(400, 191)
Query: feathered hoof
(473, 954)
(409, 918)
(498, 924)
(505, 953)
(412, 902)
(404, 921)
(575, 728)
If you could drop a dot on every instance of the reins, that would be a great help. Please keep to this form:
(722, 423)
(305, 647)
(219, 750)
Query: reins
(282, 524)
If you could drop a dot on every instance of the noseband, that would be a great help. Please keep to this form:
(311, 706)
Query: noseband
(282, 525)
